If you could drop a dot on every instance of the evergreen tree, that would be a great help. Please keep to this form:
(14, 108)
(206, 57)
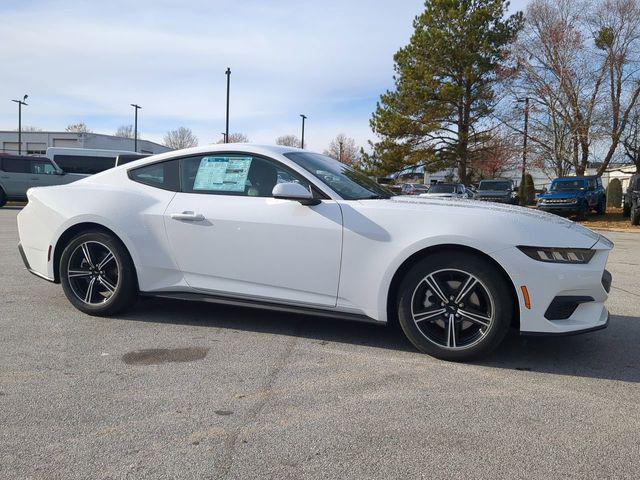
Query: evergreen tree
(614, 193)
(443, 86)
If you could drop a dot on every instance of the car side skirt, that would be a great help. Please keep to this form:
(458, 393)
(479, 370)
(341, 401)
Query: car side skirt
(262, 305)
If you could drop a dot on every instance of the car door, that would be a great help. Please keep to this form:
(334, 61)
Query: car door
(15, 176)
(230, 236)
(43, 173)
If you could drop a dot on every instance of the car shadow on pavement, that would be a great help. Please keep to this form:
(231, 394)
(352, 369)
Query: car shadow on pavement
(611, 354)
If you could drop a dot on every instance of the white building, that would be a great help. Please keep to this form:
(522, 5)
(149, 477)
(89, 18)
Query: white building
(36, 143)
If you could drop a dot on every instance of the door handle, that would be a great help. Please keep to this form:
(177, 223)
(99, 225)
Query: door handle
(188, 216)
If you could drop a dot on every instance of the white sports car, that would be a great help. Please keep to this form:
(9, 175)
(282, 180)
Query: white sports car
(287, 229)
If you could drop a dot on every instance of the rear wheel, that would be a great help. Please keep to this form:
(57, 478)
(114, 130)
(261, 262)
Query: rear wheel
(3, 198)
(455, 306)
(626, 210)
(97, 274)
(602, 207)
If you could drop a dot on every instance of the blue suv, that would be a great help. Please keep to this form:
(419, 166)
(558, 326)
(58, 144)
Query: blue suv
(576, 195)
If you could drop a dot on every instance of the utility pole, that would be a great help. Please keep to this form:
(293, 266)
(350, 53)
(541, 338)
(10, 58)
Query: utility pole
(304, 117)
(20, 104)
(340, 151)
(135, 127)
(226, 135)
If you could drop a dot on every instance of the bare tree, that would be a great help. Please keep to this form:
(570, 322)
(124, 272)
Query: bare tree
(616, 28)
(181, 137)
(80, 127)
(235, 138)
(125, 131)
(344, 149)
(288, 141)
(631, 141)
(499, 154)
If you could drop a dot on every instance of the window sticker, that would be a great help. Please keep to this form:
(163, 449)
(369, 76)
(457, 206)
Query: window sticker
(226, 174)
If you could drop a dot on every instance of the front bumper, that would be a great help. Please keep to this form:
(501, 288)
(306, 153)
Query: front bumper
(507, 200)
(559, 207)
(585, 287)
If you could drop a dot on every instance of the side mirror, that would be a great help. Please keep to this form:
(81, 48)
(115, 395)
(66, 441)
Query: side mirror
(59, 171)
(294, 191)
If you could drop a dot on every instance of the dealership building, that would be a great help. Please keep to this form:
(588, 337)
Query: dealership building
(36, 143)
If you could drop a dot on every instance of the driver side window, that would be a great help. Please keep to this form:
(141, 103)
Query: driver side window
(234, 174)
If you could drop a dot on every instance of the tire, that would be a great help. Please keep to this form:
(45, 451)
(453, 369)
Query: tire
(635, 216)
(3, 198)
(95, 289)
(602, 207)
(626, 210)
(445, 335)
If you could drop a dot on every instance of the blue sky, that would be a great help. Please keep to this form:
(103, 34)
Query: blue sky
(87, 61)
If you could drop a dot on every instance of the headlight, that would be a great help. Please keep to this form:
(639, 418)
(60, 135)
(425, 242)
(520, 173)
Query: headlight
(559, 255)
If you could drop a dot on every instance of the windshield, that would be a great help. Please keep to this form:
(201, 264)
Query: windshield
(442, 188)
(568, 185)
(344, 180)
(494, 186)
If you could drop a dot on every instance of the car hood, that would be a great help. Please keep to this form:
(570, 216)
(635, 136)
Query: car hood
(562, 194)
(492, 224)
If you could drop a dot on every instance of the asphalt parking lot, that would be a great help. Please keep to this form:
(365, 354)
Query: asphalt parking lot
(176, 389)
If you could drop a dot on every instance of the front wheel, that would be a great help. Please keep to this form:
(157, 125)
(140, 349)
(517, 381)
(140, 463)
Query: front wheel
(635, 216)
(97, 274)
(455, 306)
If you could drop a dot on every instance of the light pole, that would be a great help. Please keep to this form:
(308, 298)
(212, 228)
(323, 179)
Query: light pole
(20, 104)
(304, 117)
(135, 127)
(224, 138)
(226, 135)
(523, 200)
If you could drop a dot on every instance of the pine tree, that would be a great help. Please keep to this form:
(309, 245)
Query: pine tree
(443, 86)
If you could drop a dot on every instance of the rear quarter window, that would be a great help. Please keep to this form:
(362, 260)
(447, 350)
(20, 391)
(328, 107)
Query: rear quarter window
(163, 175)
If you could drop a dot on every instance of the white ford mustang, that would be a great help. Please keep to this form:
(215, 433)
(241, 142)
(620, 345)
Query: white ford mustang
(287, 229)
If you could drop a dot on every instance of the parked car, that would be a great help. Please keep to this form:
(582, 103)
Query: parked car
(19, 173)
(632, 200)
(574, 195)
(82, 162)
(447, 190)
(128, 158)
(500, 191)
(413, 188)
(213, 223)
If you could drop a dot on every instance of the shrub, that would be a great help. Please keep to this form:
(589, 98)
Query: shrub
(614, 193)
(527, 190)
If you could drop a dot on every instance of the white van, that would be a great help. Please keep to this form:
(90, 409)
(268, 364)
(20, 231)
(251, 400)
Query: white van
(84, 161)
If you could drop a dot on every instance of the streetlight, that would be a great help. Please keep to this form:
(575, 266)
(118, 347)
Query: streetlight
(523, 201)
(226, 135)
(224, 138)
(135, 127)
(304, 117)
(20, 104)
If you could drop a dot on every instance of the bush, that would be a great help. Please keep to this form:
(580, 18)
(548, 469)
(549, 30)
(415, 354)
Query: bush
(527, 191)
(614, 193)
